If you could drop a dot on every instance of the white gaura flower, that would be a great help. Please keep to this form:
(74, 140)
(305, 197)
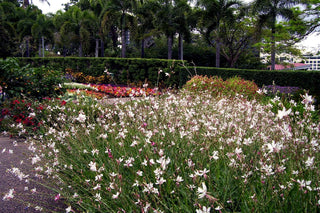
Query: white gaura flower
(81, 118)
(93, 166)
(202, 191)
(274, 147)
(203, 210)
(115, 196)
(309, 162)
(68, 209)
(9, 195)
(307, 99)
(164, 162)
(283, 113)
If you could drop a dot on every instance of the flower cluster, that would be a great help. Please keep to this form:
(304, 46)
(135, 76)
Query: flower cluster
(179, 153)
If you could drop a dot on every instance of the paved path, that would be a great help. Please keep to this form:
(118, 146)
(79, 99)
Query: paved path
(12, 153)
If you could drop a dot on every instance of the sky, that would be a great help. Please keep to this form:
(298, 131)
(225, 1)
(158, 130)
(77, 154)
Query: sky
(310, 44)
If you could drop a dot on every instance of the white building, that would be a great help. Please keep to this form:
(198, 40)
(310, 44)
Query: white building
(313, 61)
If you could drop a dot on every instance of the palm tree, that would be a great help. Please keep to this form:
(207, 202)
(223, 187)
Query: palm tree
(122, 11)
(268, 11)
(144, 23)
(214, 12)
(7, 28)
(43, 27)
(27, 18)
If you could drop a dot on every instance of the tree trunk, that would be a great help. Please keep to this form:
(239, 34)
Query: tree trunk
(273, 44)
(39, 48)
(102, 48)
(180, 46)
(142, 48)
(97, 48)
(28, 51)
(26, 3)
(218, 53)
(170, 44)
(42, 39)
(80, 50)
(123, 36)
(273, 50)
(64, 51)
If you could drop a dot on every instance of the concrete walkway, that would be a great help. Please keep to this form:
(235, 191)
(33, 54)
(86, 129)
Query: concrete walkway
(14, 153)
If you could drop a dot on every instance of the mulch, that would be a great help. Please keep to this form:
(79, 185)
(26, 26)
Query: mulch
(14, 153)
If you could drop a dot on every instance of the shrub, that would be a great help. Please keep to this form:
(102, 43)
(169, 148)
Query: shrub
(215, 85)
(30, 82)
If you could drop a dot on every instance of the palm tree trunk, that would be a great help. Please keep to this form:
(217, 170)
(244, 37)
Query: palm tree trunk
(123, 36)
(42, 39)
(80, 50)
(273, 50)
(180, 46)
(97, 48)
(39, 48)
(142, 48)
(273, 44)
(170, 44)
(102, 48)
(28, 51)
(218, 52)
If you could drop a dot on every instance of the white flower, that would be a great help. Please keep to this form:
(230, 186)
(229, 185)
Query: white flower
(95, 151)
(98, 197)
(309, 162)
(9, 195)
(283, 113)
(93, 166)
(202, 192)
(215, 155)
(164, 162)
(115, 196)
(160, 181)
(81, 118)
(179, 179)
(274, 147)
(68, 209)
(307, 99)
(203, 210)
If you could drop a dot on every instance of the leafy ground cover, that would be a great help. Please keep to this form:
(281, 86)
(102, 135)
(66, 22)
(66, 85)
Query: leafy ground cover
(194, 151)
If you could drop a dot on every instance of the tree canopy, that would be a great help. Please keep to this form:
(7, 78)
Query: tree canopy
(208, 32)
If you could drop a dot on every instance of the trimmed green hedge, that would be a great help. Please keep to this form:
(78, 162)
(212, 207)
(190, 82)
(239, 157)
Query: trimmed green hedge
(136, 71)
(124, 70)
(309, 80)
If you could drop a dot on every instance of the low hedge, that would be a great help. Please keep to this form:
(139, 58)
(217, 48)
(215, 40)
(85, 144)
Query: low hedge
(309, 80)
(168, 73)
(124, 70)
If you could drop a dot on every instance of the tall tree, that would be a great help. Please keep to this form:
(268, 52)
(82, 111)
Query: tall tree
(27, 18)
(41, 29)
(122, 9)
(145, 26)
(214, 12)
(7, 28)
(268, 11)
(236, 38)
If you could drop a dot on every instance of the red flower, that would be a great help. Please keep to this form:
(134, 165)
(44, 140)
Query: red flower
(63, 103)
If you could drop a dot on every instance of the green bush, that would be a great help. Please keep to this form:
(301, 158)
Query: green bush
(29, 81)
(125, 71)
